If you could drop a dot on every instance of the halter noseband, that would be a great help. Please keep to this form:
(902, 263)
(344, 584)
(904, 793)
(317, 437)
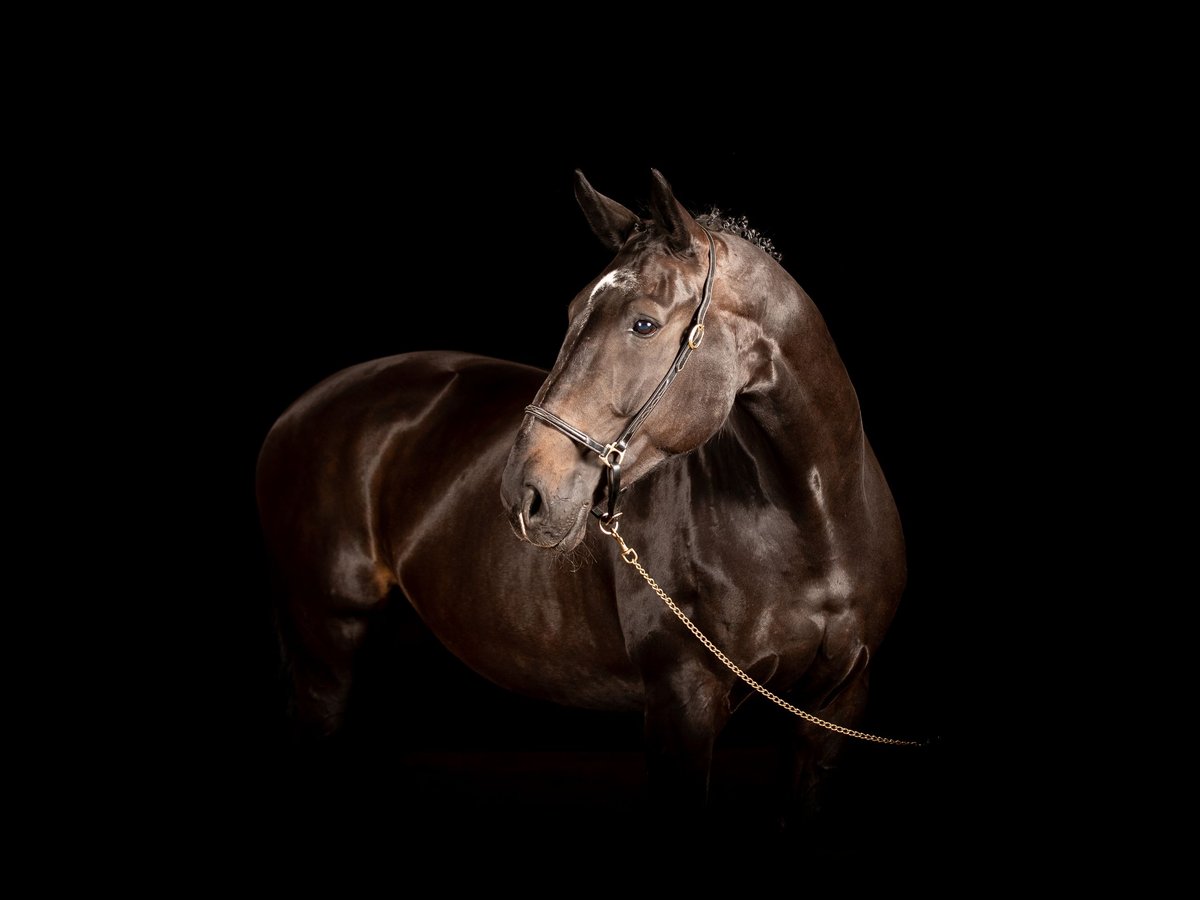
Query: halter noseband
(611, 454)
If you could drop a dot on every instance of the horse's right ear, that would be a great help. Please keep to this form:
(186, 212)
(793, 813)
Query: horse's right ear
(610, 221)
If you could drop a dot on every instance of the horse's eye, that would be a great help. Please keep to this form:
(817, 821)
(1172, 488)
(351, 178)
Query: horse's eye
(645, 327)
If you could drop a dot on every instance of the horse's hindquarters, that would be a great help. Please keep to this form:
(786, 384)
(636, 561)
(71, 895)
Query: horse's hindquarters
(343, 475)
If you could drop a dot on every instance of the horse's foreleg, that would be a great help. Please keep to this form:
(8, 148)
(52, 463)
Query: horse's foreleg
(811, 754)
(686, 708)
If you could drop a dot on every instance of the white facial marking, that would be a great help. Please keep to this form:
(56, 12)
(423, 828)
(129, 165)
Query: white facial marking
(616, 278)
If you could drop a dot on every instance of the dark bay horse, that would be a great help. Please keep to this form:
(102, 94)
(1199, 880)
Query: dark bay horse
(749, 491)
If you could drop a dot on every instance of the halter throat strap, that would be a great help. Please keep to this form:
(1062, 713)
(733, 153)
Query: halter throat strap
(612, 454)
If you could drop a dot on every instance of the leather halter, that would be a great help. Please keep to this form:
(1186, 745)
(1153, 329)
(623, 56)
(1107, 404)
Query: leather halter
(612, 453)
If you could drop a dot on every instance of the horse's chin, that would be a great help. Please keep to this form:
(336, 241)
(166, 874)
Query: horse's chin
(574, 536)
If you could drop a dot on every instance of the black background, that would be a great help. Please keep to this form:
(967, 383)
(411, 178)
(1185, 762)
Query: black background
(324, 236)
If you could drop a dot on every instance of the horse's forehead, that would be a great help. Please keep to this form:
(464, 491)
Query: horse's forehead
(649, 276)
(652, 263)
(653, 274)
(624, 277)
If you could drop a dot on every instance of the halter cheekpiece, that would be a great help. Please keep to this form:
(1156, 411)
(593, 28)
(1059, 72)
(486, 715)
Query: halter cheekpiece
(613, 452)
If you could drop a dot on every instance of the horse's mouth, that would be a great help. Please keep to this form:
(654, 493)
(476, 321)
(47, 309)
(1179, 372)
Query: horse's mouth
(574, 534)
(570, 539)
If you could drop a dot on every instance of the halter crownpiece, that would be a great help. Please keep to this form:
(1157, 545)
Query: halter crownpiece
(612, 453)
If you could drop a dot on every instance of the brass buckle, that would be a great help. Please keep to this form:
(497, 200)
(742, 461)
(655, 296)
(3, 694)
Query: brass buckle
(696, 337)
(608, 452)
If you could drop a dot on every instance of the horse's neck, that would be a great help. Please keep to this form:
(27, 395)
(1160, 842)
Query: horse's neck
(800, 419)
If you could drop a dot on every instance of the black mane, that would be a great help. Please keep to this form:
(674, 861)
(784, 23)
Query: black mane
(713, 220)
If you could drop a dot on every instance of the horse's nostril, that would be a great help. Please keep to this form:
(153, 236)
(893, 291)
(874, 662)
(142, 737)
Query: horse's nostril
(535, 502)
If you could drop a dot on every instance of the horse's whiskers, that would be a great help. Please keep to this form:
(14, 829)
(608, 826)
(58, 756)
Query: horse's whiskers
(577, 557)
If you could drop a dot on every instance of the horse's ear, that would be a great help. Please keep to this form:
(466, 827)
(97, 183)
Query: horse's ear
(670, 215)
(610, 221)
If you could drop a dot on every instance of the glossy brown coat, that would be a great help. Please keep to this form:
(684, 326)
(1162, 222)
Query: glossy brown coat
(753, 497)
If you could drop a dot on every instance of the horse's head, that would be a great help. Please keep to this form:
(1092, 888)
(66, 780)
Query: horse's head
(626, 329)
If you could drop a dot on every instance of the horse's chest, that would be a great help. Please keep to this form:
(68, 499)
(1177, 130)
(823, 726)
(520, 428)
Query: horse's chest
(767, 589)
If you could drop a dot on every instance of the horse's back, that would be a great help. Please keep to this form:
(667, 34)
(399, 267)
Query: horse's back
(384, 391)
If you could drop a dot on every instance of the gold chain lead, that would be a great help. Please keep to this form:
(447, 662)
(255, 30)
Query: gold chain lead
(629, 555)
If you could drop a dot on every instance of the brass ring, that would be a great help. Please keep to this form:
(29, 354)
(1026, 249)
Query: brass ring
(613, 520)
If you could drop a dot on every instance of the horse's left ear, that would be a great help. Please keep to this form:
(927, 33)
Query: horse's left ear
(610, 221)
(670, 215)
